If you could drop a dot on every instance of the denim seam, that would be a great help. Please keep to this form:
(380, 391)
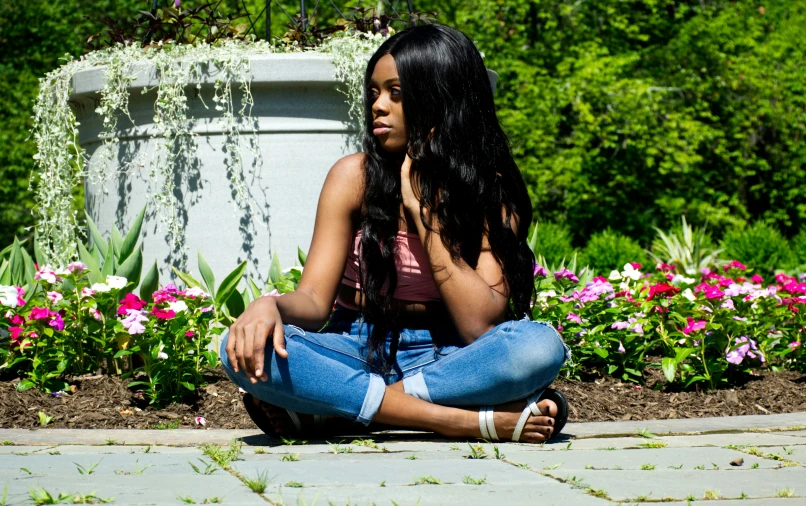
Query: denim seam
(340, 352)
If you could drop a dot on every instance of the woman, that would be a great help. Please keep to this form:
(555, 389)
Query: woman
(420, 241)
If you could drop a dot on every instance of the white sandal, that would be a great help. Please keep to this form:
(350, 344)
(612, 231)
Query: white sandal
(487, 420)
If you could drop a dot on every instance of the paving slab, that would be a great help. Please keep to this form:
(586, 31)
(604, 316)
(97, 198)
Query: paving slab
(547, 494)
(790, 453)
(657, 458)
(662, 484)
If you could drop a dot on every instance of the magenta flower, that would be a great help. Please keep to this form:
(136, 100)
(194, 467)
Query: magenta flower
(757, 279)
(539, 272)
(189, 334)
(792, 346)
(161, 296)
(171, 288)
(130, 301)
(162, 314)
(574, 318)
(693, 326)
(57, 322)
(207, 309)
(39, 313)
(748, 349)
(735, 264)
(566, 274)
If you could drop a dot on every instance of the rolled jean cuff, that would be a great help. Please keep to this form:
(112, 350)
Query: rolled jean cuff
(415, 386)
(373, 399)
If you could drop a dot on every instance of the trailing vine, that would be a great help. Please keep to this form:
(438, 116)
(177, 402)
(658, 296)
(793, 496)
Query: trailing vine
(61, 164)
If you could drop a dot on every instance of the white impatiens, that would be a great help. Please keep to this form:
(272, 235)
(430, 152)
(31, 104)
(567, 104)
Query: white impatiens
(178, 306)
(116, 282)
(8, 296)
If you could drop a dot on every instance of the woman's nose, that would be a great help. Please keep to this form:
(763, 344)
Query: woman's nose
(381, 104)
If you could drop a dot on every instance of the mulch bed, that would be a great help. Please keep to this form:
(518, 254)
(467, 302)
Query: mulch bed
(105, 402)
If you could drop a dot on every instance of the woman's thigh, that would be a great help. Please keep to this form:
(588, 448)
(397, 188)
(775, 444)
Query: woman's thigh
(511, 361)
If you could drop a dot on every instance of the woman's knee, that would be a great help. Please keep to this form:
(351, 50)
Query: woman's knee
(536, 352)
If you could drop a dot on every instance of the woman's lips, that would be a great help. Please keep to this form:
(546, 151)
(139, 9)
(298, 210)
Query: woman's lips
(381, 129)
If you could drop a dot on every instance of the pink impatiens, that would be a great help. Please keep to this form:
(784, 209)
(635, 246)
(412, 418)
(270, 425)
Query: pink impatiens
(130, 301)
(693, 326)
(747, 348)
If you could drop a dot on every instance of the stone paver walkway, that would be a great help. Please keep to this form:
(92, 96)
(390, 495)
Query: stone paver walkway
(748, 460)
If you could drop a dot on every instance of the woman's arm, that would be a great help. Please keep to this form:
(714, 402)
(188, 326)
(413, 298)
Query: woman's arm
(475, 299)
(309, 306)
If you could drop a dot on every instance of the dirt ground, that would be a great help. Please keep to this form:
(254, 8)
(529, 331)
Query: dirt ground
(105, 402)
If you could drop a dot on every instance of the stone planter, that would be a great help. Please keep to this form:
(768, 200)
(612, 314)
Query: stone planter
(302, 130)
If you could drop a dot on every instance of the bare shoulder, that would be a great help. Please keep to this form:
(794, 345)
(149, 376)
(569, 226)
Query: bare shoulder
(346, 180)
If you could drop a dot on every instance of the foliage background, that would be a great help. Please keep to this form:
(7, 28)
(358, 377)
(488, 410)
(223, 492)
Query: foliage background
(622, 114)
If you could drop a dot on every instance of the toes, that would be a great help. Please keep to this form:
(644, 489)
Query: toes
(547, 407)
(541, 421)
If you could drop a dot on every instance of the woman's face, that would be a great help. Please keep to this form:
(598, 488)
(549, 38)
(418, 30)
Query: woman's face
(388, 123)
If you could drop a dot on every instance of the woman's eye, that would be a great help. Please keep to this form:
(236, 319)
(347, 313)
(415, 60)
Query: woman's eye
(395, 92)
(373, 92)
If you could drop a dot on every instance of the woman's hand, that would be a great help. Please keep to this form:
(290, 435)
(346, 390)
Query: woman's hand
(410, 201)
(248, 335)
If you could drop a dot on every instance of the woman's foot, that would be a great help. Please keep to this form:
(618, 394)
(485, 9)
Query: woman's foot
(538, 428)
(283, 425)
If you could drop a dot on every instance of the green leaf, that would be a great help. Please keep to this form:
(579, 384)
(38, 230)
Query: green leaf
(17, 264)
(39, 255)
(108, 268)
(5, 273)
(97, 238)
(533, 239)
(669, 366)
(116, 240)
(253, 288)
(89, 260)
(29, 269)
(150, 284)
(601, 352)
(122, 353)
(130, 241)
(187, 385)
(207, 275)
(189, 280)
(235, 304)
(302, 256)
(275, 271)
(683, 353)
(230, 283)
(24, 385)
(132, 268)
(694, 380)
(246, 298)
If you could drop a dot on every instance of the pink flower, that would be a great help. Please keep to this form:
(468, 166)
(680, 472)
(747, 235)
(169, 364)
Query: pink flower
(566, 274)
(16, 331)
(195, 293)
(638, 328)
(728, 304)
(55, 297)
(665, 267)
(134, 321)
(171, 288)
(574, 318)
(200, 419)
(757, 279)
(662, 289)
(620, 325)
(740, 318)
(76, 268)
(621, 348)
(735, 264)
(693, 326)
(86, 292)
(162, 313)
(161, 296)
(16, 319)
(636, 265)
(711, 292)
(539, 272)
(207, 309)
(189, 334)
(46, 274)
(40, 313)
(130, 301)
(96, 314)
(792, 346)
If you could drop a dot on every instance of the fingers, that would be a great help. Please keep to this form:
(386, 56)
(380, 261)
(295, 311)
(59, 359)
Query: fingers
(279, 340)
(232, 339)
(259, 355)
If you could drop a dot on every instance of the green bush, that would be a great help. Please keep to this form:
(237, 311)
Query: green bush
(799, 249)
(552, 241)
(760, 247)
(608, 250)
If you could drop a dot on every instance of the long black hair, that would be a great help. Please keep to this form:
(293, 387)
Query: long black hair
(467, 176)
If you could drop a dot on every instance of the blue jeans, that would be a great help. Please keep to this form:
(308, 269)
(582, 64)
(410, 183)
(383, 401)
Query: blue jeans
(326, 373)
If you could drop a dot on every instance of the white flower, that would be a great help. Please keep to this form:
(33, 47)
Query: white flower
(546, 294)
(196, 292)
(614, 275)
(8, 296)
(100, 287)
(679, 279)
(200, 420)
(688, 294)
(116, 282)
(86, 292)
(46, 274)
(55, 297)
(631, 272)
(162, 355)
(178, 306)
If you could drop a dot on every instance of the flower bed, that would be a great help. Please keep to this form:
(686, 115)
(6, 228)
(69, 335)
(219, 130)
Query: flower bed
(708, 330)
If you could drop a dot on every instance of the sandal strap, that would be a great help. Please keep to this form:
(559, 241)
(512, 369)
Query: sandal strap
(530, 409)
(487, 423)
(295, 420)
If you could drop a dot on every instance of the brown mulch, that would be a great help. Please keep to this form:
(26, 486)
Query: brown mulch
(105, 402)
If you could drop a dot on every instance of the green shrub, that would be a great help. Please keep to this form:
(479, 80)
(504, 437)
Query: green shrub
(760, 247)
(689, 249)
(608, 250)
(553, 241)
